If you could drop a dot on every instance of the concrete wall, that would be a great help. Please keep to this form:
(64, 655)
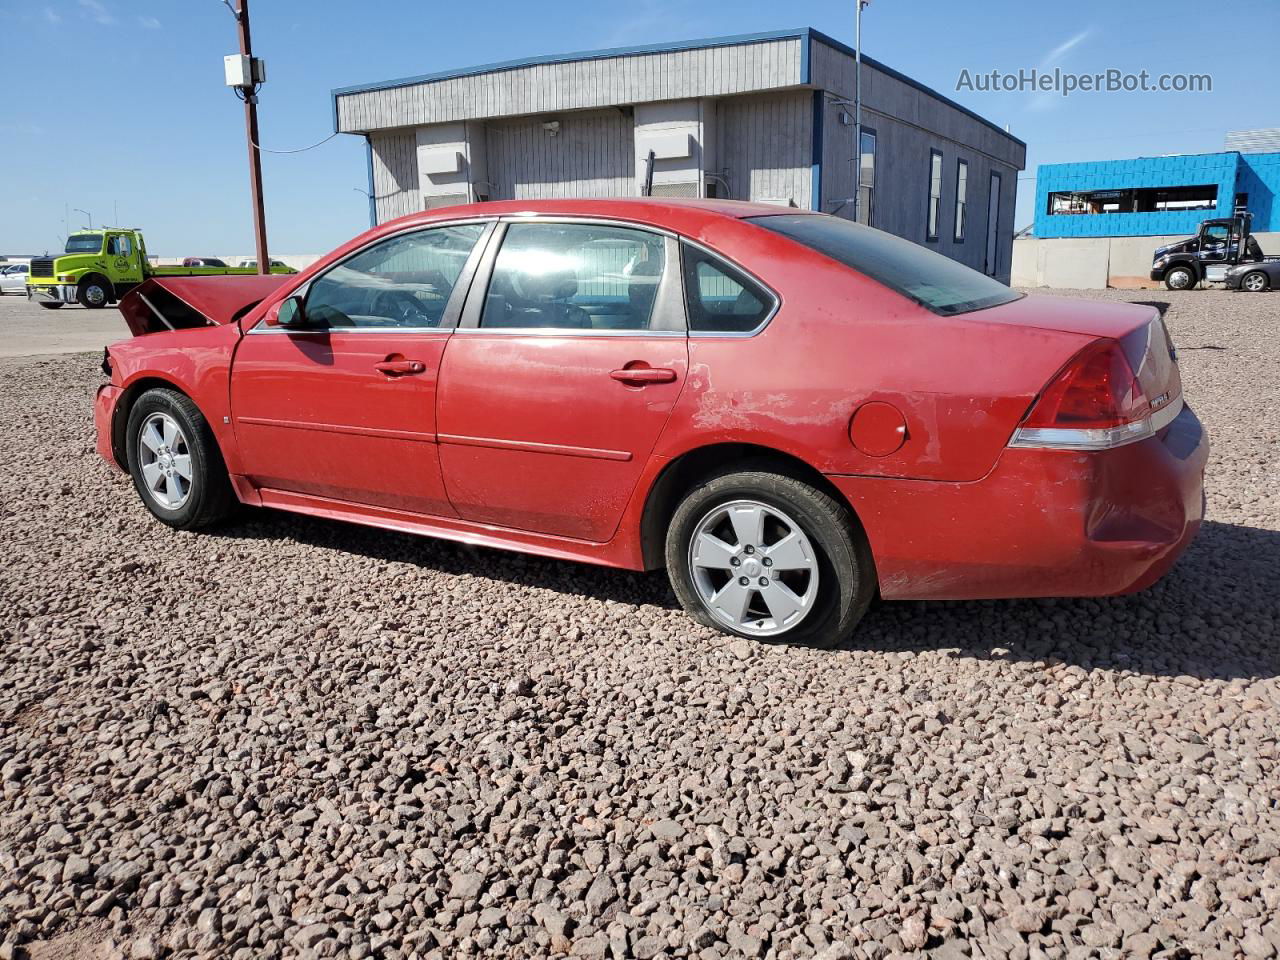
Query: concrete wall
(1094, 263)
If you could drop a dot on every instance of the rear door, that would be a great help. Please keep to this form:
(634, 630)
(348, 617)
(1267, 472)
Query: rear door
(570, 356)
(344, 406)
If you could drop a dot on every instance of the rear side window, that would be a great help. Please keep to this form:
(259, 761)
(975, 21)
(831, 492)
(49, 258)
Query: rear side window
(720, 298)
(937, 283)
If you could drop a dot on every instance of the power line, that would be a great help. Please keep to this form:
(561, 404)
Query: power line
(300, 149)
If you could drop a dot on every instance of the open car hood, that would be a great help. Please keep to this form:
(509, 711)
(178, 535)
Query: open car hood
(176, 303)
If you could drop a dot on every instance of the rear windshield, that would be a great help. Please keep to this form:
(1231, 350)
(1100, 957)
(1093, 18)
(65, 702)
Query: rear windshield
(930, 279)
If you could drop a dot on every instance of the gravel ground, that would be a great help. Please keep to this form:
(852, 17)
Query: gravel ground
(296, 738)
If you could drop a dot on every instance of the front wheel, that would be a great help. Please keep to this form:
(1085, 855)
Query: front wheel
(1255, 282)
(768, 556)
(92, 293)
(175, 462)
(1180, 278)
(50, 306)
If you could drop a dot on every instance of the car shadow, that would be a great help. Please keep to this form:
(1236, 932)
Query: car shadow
(1216, 615)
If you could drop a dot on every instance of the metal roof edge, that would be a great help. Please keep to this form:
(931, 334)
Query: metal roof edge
(804, 34)
(911, 82)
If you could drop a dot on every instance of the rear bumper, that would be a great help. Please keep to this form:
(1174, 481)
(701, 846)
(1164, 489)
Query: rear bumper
(1043, 523)
(105, 406)
(52, 292)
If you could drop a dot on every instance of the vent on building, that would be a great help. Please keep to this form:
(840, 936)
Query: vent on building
(687, 188)
(445, 200)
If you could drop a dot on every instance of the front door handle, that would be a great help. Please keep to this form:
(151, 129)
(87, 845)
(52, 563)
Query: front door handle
(643, 375)
(399, 368)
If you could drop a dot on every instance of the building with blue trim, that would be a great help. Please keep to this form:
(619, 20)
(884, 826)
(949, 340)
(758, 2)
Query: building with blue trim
(764, 117)
(1155, 196)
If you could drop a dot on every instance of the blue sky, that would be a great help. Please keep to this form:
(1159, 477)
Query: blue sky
(119, 104)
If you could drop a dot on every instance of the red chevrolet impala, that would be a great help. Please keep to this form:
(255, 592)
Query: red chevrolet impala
(788, 411)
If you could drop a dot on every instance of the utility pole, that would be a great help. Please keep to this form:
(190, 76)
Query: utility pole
(857, 106)
(251, 78)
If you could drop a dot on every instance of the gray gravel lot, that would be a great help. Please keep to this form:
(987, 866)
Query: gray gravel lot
(296, 738)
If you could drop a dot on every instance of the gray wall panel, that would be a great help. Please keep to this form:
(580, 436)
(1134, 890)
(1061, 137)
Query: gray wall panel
(593, 156)
(764, 146)
(395, 174)
(708, 72)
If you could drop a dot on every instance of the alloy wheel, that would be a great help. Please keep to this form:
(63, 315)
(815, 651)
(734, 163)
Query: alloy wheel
(164, 457)
(754, 568)
(1255, 283)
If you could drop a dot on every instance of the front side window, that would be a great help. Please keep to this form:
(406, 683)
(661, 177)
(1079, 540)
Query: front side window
(935, 193)
(721, 299)
(575, 276)
(403, 281)
(937, 283)
(118, 245)
(84, 243)
(962, 190)
(866, 176)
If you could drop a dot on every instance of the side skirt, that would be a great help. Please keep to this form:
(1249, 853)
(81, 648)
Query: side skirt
(446, 528)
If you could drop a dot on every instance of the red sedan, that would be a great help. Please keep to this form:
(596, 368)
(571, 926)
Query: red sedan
(788, 411)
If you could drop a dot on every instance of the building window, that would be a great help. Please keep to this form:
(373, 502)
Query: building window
(935, 194)
(962, 192)
(866, 176)
(1135, 200)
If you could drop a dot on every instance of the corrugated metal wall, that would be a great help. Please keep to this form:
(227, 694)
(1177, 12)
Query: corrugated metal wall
(765, 146)
(583, 84)
(593, 155)
(395, 174)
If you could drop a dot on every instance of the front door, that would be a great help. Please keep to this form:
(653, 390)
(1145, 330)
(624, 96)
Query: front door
(126, 261)
(562, 376)
(342, 405)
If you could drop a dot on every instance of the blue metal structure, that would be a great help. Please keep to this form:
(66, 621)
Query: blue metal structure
(1253, 178)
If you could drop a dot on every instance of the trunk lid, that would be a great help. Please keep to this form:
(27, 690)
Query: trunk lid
(175, 303)
(1138, 328)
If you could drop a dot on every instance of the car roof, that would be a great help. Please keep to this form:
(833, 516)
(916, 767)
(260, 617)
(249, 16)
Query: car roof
(679, 214)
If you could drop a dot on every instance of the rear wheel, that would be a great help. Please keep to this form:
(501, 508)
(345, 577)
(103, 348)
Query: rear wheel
(50, 306)
(175, 462)
(1180, 278)
(1255, 282)
(768, 556)
(93, 293)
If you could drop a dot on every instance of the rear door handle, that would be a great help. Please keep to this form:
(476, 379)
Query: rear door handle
(644, 375)
(399, 368)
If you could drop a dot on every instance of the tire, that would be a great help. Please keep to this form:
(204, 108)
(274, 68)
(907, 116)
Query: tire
(51, 306)
(1180, 278)
(185, 503)
(1255, 281)
(833, 546)
(94, 293)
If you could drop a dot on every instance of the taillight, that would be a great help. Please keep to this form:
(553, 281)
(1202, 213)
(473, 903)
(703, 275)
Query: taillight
(1094, 403)
(1097, 388)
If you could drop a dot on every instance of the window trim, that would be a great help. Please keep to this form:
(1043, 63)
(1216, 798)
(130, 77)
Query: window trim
(931, 236)
(670, 294)
(962, 203)
(453, 307)
(734, 266)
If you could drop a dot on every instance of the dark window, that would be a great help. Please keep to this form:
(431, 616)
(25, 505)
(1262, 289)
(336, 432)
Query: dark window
(720, 298)
(930, 279)
(575, 276)
(1139, 200)
(935, 194)
(867, 177)
(118, 245)
(84, 243)
(962, 193)
(403, 281)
